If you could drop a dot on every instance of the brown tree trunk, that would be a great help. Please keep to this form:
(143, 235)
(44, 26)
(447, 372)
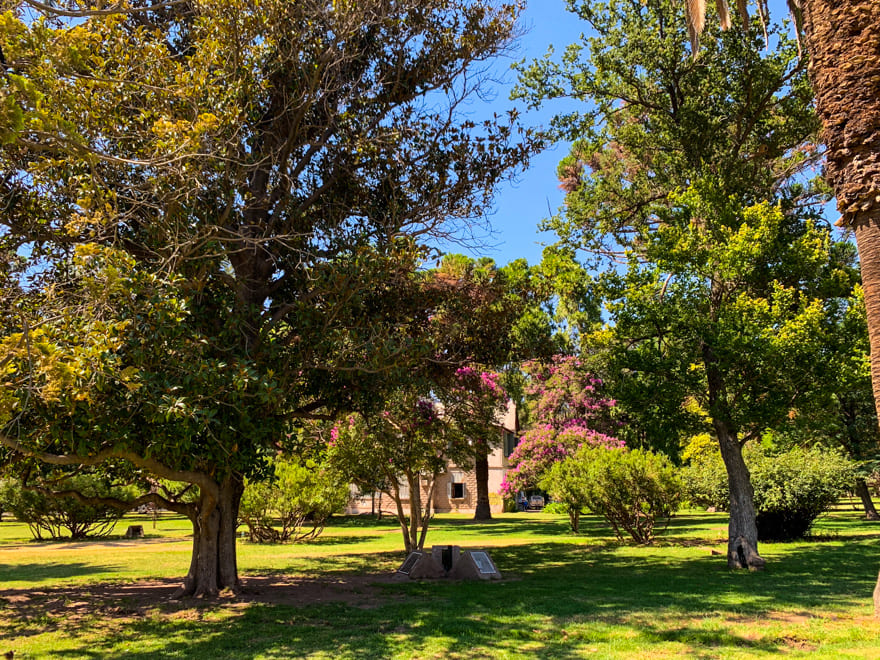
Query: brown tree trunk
(742, 535)
(843, 40)
(865, 495)
(483, 510)
(214, 566)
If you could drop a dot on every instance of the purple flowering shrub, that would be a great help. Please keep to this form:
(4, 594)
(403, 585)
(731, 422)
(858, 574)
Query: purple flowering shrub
(569, 413)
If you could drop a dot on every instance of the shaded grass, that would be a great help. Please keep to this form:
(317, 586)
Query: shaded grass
(563, 596)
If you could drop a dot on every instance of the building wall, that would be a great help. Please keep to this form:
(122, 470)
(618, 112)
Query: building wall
(507, 430)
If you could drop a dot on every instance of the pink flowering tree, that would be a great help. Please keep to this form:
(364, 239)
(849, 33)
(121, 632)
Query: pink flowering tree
(568, 412)
(400, 452)
(474, 401)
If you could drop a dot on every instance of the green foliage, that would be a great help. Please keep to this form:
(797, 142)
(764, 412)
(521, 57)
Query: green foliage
(295, 504)
(53, 515)
(222, 210)
(792, 488)
(688, 176)
(632, 489)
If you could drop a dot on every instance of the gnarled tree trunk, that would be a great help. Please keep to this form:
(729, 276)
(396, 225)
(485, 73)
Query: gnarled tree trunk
(483, 510)
(742, 537)
(843, 39)
(213, 566)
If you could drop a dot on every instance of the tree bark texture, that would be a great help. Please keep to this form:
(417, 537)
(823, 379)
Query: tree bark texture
(214, 565)
(742, 536)
(843, 40)
(483, 509)
(865, 495)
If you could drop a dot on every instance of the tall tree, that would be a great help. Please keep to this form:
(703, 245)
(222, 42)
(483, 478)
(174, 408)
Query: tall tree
(685, 175)
(843, 42)
(219, 208)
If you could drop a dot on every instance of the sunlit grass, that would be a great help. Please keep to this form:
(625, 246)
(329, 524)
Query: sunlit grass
(563, 596)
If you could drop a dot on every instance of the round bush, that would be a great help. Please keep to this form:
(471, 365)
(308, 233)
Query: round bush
(792, 488)
(631, 489)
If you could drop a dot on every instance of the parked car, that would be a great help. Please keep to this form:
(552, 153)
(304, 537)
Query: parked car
(536, 502)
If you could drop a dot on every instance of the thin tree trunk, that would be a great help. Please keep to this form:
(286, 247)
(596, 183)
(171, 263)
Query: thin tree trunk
(426, 518)
(865, 495)
(415, 511)
(482, 510)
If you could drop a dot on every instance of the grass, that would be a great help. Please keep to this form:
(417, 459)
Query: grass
(563, 596)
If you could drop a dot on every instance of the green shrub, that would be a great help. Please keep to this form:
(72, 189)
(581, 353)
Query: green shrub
(632, 490)
(792, 488)
(52, 515)
(294, 505)
(556, 508)
(705, 481)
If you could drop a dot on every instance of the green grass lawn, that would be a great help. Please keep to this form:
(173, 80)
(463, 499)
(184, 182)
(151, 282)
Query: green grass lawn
(562, 596)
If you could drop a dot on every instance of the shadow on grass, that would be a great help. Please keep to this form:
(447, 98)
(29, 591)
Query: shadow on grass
(43, 572)
(560, 600)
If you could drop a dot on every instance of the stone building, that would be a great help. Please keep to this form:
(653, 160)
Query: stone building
(456, 488)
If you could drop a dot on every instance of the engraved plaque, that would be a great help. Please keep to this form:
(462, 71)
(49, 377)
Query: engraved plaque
(484, 564)
(410, 563)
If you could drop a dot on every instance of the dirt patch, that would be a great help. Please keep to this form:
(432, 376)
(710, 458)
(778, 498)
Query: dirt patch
(134, 599)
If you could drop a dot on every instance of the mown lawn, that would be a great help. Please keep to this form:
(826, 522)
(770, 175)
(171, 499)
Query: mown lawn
(563, 596)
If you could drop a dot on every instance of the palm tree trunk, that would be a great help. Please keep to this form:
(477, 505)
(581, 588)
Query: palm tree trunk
(843, 39)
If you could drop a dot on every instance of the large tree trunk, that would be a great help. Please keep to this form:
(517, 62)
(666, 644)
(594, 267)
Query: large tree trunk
(843, 39)
(865, 495)
(483, 510)
(213, 566)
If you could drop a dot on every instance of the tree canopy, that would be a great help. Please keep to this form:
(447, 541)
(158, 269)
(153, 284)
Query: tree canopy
(218, 212)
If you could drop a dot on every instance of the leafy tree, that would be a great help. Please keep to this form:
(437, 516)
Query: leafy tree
(53, 512)
(501, 323)
(475, 403)
(686, 175)
(295, 504)
(220, 212)
(409, 444)
(566, 412)
(631, 489)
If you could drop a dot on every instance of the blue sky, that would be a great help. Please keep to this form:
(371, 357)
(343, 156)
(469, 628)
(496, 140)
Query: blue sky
(521, 204)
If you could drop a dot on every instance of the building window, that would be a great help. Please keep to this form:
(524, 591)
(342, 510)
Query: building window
(510, 443)
(403, 490)
(456, 488)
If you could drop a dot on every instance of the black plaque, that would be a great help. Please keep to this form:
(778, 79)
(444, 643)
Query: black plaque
(410, 563)
(484, 564)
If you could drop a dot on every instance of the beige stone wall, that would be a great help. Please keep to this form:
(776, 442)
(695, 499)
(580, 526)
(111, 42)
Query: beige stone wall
(442, 502)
